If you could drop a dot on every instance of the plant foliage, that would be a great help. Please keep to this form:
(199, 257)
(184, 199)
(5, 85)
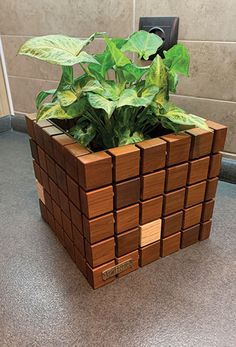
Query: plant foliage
(116, 100)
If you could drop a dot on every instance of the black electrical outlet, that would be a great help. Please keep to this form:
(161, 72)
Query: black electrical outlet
(165, 27)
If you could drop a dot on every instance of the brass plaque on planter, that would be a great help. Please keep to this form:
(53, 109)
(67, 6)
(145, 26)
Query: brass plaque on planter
(115, 270)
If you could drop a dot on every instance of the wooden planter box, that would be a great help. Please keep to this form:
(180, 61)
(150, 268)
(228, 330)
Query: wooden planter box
(126, 207)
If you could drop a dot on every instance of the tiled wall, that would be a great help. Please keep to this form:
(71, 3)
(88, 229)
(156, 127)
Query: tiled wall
(207, 28)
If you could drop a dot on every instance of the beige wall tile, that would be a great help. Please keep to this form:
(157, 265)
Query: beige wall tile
(212, 71)
(78, 18)
(24, 92)
(220, 111)
(199, 19)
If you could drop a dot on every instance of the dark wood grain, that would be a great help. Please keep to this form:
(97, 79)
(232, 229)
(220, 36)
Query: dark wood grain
(134, 256)
(170, 244)
(207, 210)
(173, 201)
(152, 184)
(176, 177)
(127, 242)
(126, 218)
(198, 170)
(178, 147)
(195, 194)
(153, 154)
(201, 142)
(151, 209)
(127, 193)
(192, 216)
(98, 229)
(215, 164)
(171, 224)
(220, 132)
(205, 230)
(149, 253)
(190, 236)
(94, 276)
(96, 202)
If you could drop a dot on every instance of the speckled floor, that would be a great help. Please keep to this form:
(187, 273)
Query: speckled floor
(187, 299)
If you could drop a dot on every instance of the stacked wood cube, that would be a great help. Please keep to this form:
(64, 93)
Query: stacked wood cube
(126, 207)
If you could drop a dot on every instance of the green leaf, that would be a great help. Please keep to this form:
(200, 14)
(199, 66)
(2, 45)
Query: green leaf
(66, 78)
(98, 101)
(129, 97)
(172, 81)
(83, 134)
(177, 59)
(52, 110)
(108, 89)
(143, 43)
(42, 95)
(126, 138)
(133, 72)
(77, 108)
(57, 49)
(119, 58)
(66, 97)
(157, 76)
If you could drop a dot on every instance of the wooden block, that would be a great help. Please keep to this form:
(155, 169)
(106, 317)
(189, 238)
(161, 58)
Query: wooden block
(207, 210)
(56, 212)
(195, 194)
(58, 143)
(51, 168)
(153, 154)
(42, 159)
(61, 179)
(37, 172)
(205, 230)
(95, 277)
(192, 216)
(176, 177)
(54, 191)
(99, 228)
(178, 147)
(201, 142)
(38, 131)
(30, 119)
(95, 170)
(73, 191)
(51, 221)
(71, 153)
(149, 253)
(125, 162)
(76, 216)
(40, 191)
(96, 202)
(126, 218)
(220, 132)
(48, 133)
(64, 202)
(100, 253)
(78, 240)
(67, 225)
(127, 242)
(80, 262)
(211, 188)
(45, 180)
(170, 244)
(172, 224)
(190, 236)
(198, 170)
(215, 164)
(59, 232)
(150, 232)
(173, 201)
(48, 201)
(43, 211)
(68, 244)
(134, 256)
(151, 209)
(34, 150)
(152, 184)
(127, 193)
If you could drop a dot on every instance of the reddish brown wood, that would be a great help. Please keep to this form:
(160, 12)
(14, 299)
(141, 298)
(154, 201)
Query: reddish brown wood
(134, 256)
(152, 184)
(58, 143)
(61, 179)
(211, 188)
(51, 168)
(127, 193)
(195, 194)
(170, 244)
(190, 236)
(80, 261)
(34, 150)
(126, 218)
(45, 180)
(95, 170)
(37, 172)
(151, 209)
(73, 191)
(173, 201)
(178, 147)
(172, 224)
(176, 177)
(76, 216)
(125, 162)
(94, 276)
(71, 154)
(48, 202)
(192, 216)
(57, 212)
(64, 202)
(198, 170)
(149, 253)
(215, 164)
(127, 242)
(205, 230)
(42, 159)
(207, 210)
(101, 252)
(54, 191)
(38, 131)
(96, 202)
(220, 132)
(30, 119)
(68, 244)
(67, 225)
(48, 133)
(43, 211)
(153, 155)
(51, 221)
(59, 232)
(99, 228)
(201, 142)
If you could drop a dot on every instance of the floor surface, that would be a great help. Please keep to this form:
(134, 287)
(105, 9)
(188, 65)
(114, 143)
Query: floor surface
(186, 299)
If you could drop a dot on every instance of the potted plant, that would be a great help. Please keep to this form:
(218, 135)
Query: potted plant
(124, 176)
